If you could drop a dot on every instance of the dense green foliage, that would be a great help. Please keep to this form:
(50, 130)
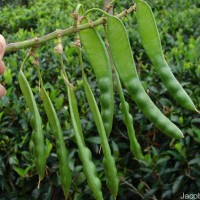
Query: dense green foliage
(171, 167)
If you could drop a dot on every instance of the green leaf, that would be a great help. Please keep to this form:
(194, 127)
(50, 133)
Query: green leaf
(1, 114)
(67, 125)
(115, 149)
(59, 102)
(141, 186)
(80, 178)
(177, 184)
(194, 161)
(94, 140)
(13, 160)
(48, 194)
(195, 120)
(22, 172)
(162, 160)
(8, 76)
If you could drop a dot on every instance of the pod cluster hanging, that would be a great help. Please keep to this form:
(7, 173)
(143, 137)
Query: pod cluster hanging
(112, 61)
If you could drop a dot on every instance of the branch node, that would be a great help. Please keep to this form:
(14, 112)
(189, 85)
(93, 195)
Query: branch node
(58, 32)
(133, 8)
(59, 35)
(104, 20)
(77, 43)
(58, 48)
(31, 53)
(76, 19)
(108, 7)
(35, 62)
(36, 39)
(125, 12)
(75, 16)
(81, 18)
(91, 24)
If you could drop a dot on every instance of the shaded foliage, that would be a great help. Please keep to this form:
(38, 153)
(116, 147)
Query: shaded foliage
(171, 167)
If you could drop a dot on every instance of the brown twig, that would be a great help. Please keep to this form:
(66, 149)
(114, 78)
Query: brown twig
(132, 188)
(37, 41)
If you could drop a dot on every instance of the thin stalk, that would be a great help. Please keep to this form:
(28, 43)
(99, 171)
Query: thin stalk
(25, 59)
(112, 2)
(81, 61)
(78, 8)
(64, 74)
(122, 14)
(38, 41)
(39, 75)
(95, 9)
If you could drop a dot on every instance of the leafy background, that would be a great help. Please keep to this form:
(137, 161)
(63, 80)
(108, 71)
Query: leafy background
(171, 166)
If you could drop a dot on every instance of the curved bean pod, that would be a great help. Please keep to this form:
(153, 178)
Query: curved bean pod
(150, 39)
(125, 65)
(64, 170)
(84, 153)
(97, 55)
(128, 121)
(108, 161)
(36, 123)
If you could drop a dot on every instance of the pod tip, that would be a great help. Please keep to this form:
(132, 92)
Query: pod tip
(39, 184)
(181, 136)
(40, 179)
(197, 111)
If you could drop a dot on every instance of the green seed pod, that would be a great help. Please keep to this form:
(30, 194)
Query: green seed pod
(150, 38)
(36, 123)
(97, 54)
(84, 153)
(64, 170)
(90, 171)
(128, 121)
(108, 161)
(125, 65)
